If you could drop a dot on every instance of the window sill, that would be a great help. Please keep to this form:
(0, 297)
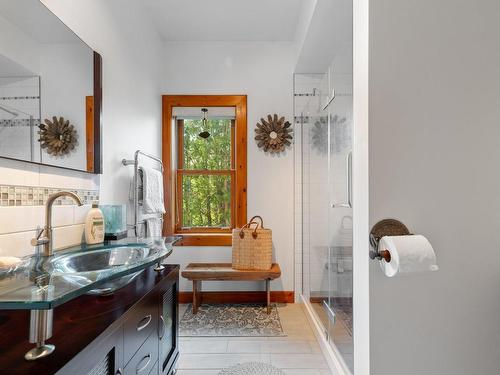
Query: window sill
(205, 239)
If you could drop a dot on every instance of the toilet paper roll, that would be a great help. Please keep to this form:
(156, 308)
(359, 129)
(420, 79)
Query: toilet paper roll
(409, 254)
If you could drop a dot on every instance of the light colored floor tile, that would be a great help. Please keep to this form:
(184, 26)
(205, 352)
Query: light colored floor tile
(302, 372)
(246, 346)
(286, 347)
(214, 361)
(302, 361)
(203, 346)
(297, 353)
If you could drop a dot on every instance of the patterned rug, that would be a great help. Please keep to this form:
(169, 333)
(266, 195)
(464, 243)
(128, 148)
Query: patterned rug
(252, 368)
(231, 320)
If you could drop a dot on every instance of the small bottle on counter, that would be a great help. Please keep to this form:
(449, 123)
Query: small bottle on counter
(94, 225)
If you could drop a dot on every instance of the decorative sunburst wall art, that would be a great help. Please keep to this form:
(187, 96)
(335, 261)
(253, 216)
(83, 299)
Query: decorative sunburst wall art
(58, 137)
(319, 135)
(273, 135)
(340, 137)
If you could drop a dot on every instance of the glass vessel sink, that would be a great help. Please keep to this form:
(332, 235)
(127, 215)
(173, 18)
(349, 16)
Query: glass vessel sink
(40, 283)
(85, 268)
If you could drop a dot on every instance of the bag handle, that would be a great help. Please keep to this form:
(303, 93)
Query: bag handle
(248, 225)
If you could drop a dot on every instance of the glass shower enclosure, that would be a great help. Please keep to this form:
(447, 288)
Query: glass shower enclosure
(323, 153)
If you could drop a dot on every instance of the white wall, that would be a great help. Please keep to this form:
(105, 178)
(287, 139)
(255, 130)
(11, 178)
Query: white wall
(263, 71)
(434, 151)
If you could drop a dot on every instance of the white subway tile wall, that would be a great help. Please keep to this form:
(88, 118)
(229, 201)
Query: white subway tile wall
(22, 212)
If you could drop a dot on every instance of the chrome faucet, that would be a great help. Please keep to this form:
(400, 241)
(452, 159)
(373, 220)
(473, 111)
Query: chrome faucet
(46, 240)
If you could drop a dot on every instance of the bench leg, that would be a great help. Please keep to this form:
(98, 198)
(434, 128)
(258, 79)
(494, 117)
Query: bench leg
(196, 295)
(268, 295)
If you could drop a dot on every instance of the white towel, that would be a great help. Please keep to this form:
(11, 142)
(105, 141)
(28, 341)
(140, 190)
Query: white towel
(152, 191)
(153, 227)
(131, 190)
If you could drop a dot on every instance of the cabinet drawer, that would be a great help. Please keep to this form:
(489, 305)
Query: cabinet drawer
(139, 326)
(145, 359)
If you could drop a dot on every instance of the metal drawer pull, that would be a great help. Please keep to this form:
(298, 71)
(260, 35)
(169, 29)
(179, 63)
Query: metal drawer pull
(163, 328)
(147, 320)
(141, 369)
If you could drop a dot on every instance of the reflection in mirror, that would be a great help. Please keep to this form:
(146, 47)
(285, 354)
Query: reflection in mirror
(48, 114)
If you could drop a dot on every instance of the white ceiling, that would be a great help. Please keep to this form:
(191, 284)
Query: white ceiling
(225, 20)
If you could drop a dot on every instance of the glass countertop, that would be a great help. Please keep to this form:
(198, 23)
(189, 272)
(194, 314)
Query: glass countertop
(39, 283)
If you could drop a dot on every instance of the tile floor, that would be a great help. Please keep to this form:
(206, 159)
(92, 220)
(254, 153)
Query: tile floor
(339, 334)
(296, 354)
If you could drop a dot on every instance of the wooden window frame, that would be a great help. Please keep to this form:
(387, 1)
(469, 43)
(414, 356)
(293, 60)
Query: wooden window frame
(205, 236)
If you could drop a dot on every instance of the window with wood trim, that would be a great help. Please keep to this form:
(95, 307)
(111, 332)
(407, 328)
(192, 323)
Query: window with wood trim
(204, 154)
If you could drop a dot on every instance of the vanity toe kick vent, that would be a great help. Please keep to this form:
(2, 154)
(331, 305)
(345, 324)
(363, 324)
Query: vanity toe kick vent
(105, 366)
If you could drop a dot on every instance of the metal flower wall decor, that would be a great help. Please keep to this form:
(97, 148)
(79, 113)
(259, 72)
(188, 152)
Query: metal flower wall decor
(274, 134)
(58, 137)
(340, 137)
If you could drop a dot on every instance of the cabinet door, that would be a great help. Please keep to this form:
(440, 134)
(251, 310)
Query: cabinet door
(102, 357)
(169, 328)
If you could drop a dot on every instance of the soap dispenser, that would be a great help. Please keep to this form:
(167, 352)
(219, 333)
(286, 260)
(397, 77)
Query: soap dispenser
(94, 225)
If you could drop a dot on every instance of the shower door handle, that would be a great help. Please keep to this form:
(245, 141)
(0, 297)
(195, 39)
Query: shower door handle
(349, 185)
(349, 179)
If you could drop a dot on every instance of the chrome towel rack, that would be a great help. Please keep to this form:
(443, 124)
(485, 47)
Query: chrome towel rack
(135, 163)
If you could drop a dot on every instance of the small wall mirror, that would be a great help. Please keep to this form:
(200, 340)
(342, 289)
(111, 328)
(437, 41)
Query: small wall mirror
(50, 90)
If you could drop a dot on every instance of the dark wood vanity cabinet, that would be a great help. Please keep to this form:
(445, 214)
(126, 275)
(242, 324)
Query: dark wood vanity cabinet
(143, 341)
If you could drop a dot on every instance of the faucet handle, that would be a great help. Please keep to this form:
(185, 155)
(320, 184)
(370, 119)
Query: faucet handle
(37, 241)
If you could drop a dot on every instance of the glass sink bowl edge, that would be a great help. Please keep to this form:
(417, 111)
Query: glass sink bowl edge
(46, 282)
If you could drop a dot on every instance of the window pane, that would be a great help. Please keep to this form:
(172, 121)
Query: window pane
(206, 201)
(213, 152)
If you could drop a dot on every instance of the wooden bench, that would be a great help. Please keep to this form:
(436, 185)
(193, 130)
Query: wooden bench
(198, 272)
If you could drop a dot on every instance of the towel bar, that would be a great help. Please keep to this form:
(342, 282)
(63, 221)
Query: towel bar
(135, 163)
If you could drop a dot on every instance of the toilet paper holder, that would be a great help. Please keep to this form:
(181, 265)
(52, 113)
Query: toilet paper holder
(386, 227)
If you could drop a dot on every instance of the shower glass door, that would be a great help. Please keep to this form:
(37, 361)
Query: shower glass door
(323, 108)
(340, 266)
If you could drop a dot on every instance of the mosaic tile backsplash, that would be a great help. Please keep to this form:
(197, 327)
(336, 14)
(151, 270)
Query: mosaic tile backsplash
(37, 196)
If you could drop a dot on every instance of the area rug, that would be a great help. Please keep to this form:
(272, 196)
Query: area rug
(231, 320)
(252, 368)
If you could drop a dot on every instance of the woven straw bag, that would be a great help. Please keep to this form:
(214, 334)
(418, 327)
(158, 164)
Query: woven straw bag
(252, 246)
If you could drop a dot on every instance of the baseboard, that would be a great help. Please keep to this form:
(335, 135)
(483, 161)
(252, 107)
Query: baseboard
(332, 355)
(239, 297)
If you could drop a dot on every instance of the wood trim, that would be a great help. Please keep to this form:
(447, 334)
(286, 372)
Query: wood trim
(202, 230)
(97, 108)
(240, 149)
(180, 166)
(317, 299)
(205, 172)
(241, 162)
(89, 132)
(281, 296)
(205, 239)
